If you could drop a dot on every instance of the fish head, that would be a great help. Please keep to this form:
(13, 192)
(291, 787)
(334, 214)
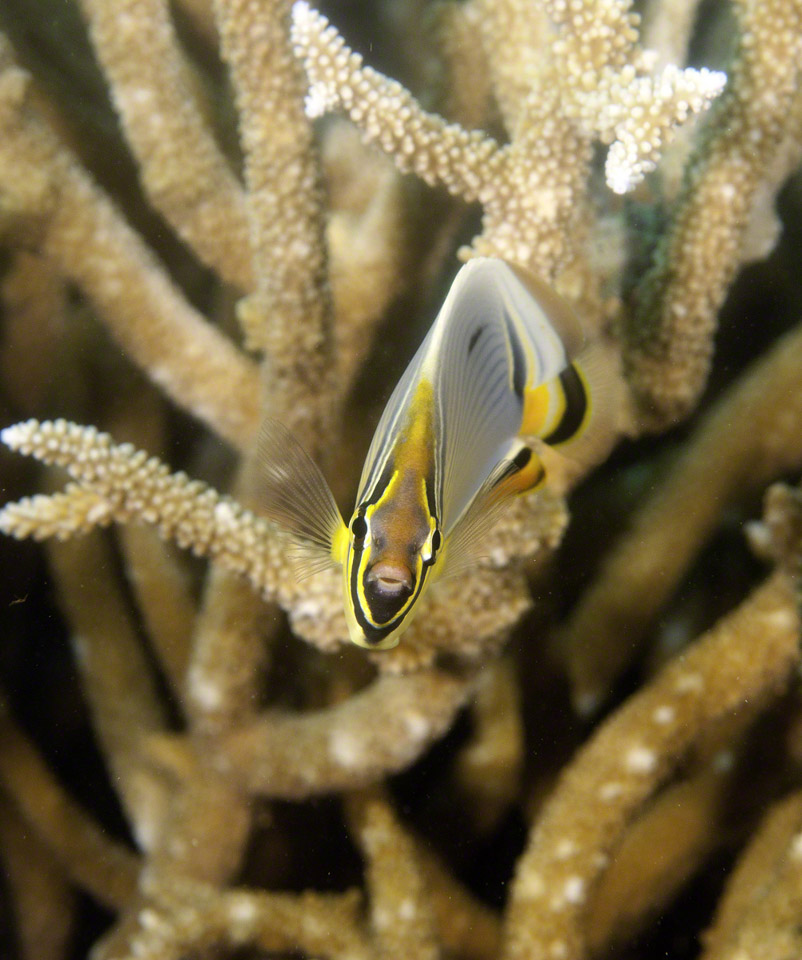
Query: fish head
(392, 555)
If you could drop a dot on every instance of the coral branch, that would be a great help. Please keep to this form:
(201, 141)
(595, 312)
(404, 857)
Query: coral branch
(34, 325)
(186, 177)
(81, 231)
(401, 914)
(116, 676)
(376, 732)
(228, 655)
(135, 487)
(747, 658)
(465, 162)
(289, 315)
(94, 861)
(667, 28)
(195, 918)
(509, 31)
(748, 438)
(467, 927)
(660, 853)
(43, 904)
(759, 913)
(489, 768)
(163, 598)
(670, 335)
(606, 87)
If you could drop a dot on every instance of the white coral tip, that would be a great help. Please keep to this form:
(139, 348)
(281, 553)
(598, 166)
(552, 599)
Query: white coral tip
(712, 82)
(302, 16)
(18, 433)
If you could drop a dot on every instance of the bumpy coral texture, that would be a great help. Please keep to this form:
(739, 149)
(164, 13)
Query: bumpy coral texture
(588, 743)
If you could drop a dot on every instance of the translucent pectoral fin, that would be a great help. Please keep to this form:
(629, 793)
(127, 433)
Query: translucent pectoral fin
(295, 495)
(508, 478)
(307, 559)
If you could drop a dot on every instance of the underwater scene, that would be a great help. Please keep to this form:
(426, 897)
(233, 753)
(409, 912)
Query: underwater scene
(401, 442)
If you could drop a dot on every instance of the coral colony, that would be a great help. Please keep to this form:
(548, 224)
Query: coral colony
(294, 221)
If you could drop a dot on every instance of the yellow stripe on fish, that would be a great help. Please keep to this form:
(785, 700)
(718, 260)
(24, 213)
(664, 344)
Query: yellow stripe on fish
(497, 365)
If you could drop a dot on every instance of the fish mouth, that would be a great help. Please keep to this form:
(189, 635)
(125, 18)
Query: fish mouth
(391, 579)
(387, 587)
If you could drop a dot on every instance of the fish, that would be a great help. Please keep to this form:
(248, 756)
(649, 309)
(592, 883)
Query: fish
(502, 362)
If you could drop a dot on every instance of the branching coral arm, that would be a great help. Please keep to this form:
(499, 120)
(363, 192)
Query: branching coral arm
(78, 228)
(378, 731)
(667, 28)
(489, 767)
(749, 437)
(669, 336)
(759, 912)
(609, 90)
(659, 855)
(187, 178)
(466, 83)
(468, 928)
(115, 674)
(37, 890)
(402, 919)
(134, 486)
(748, 657)
(289, 315)
(91, 859)
(194, 919)
(163, 597)
(465, 162)
(509, 30)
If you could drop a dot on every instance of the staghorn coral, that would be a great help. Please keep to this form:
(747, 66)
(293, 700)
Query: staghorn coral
(179, 762)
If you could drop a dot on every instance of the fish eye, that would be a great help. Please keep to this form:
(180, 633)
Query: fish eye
(436, 541)
(359, 528)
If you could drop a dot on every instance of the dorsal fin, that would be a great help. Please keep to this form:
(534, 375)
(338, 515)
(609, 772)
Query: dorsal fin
(560, 315)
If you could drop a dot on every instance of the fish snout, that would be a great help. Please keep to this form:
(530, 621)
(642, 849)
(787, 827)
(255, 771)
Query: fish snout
(390, 578)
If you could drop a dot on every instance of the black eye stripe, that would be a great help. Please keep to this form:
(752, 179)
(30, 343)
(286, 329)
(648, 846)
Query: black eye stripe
(359, 528)
(436, 541)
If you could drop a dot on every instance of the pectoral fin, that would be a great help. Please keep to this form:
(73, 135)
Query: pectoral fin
(295, 495)
(511, 476)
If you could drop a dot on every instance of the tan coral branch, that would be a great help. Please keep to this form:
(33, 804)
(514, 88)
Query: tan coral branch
(750, 436)
(37, 890)
(669, 337)
(401, 914)
(97, 863)
(195, 918)
(378, 731)
(289, 315)
(420, 142)
(758, 915)
(115, 674)
(136, 487)
(467, 927)
(748, 657)
(75, 225)
(164, 599)
(187, 178)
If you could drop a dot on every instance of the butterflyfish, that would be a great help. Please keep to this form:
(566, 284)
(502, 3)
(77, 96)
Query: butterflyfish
(501, 362)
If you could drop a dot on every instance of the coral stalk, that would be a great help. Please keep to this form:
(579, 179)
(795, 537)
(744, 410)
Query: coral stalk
(185, 174)
(669, 337)
(746, 658)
